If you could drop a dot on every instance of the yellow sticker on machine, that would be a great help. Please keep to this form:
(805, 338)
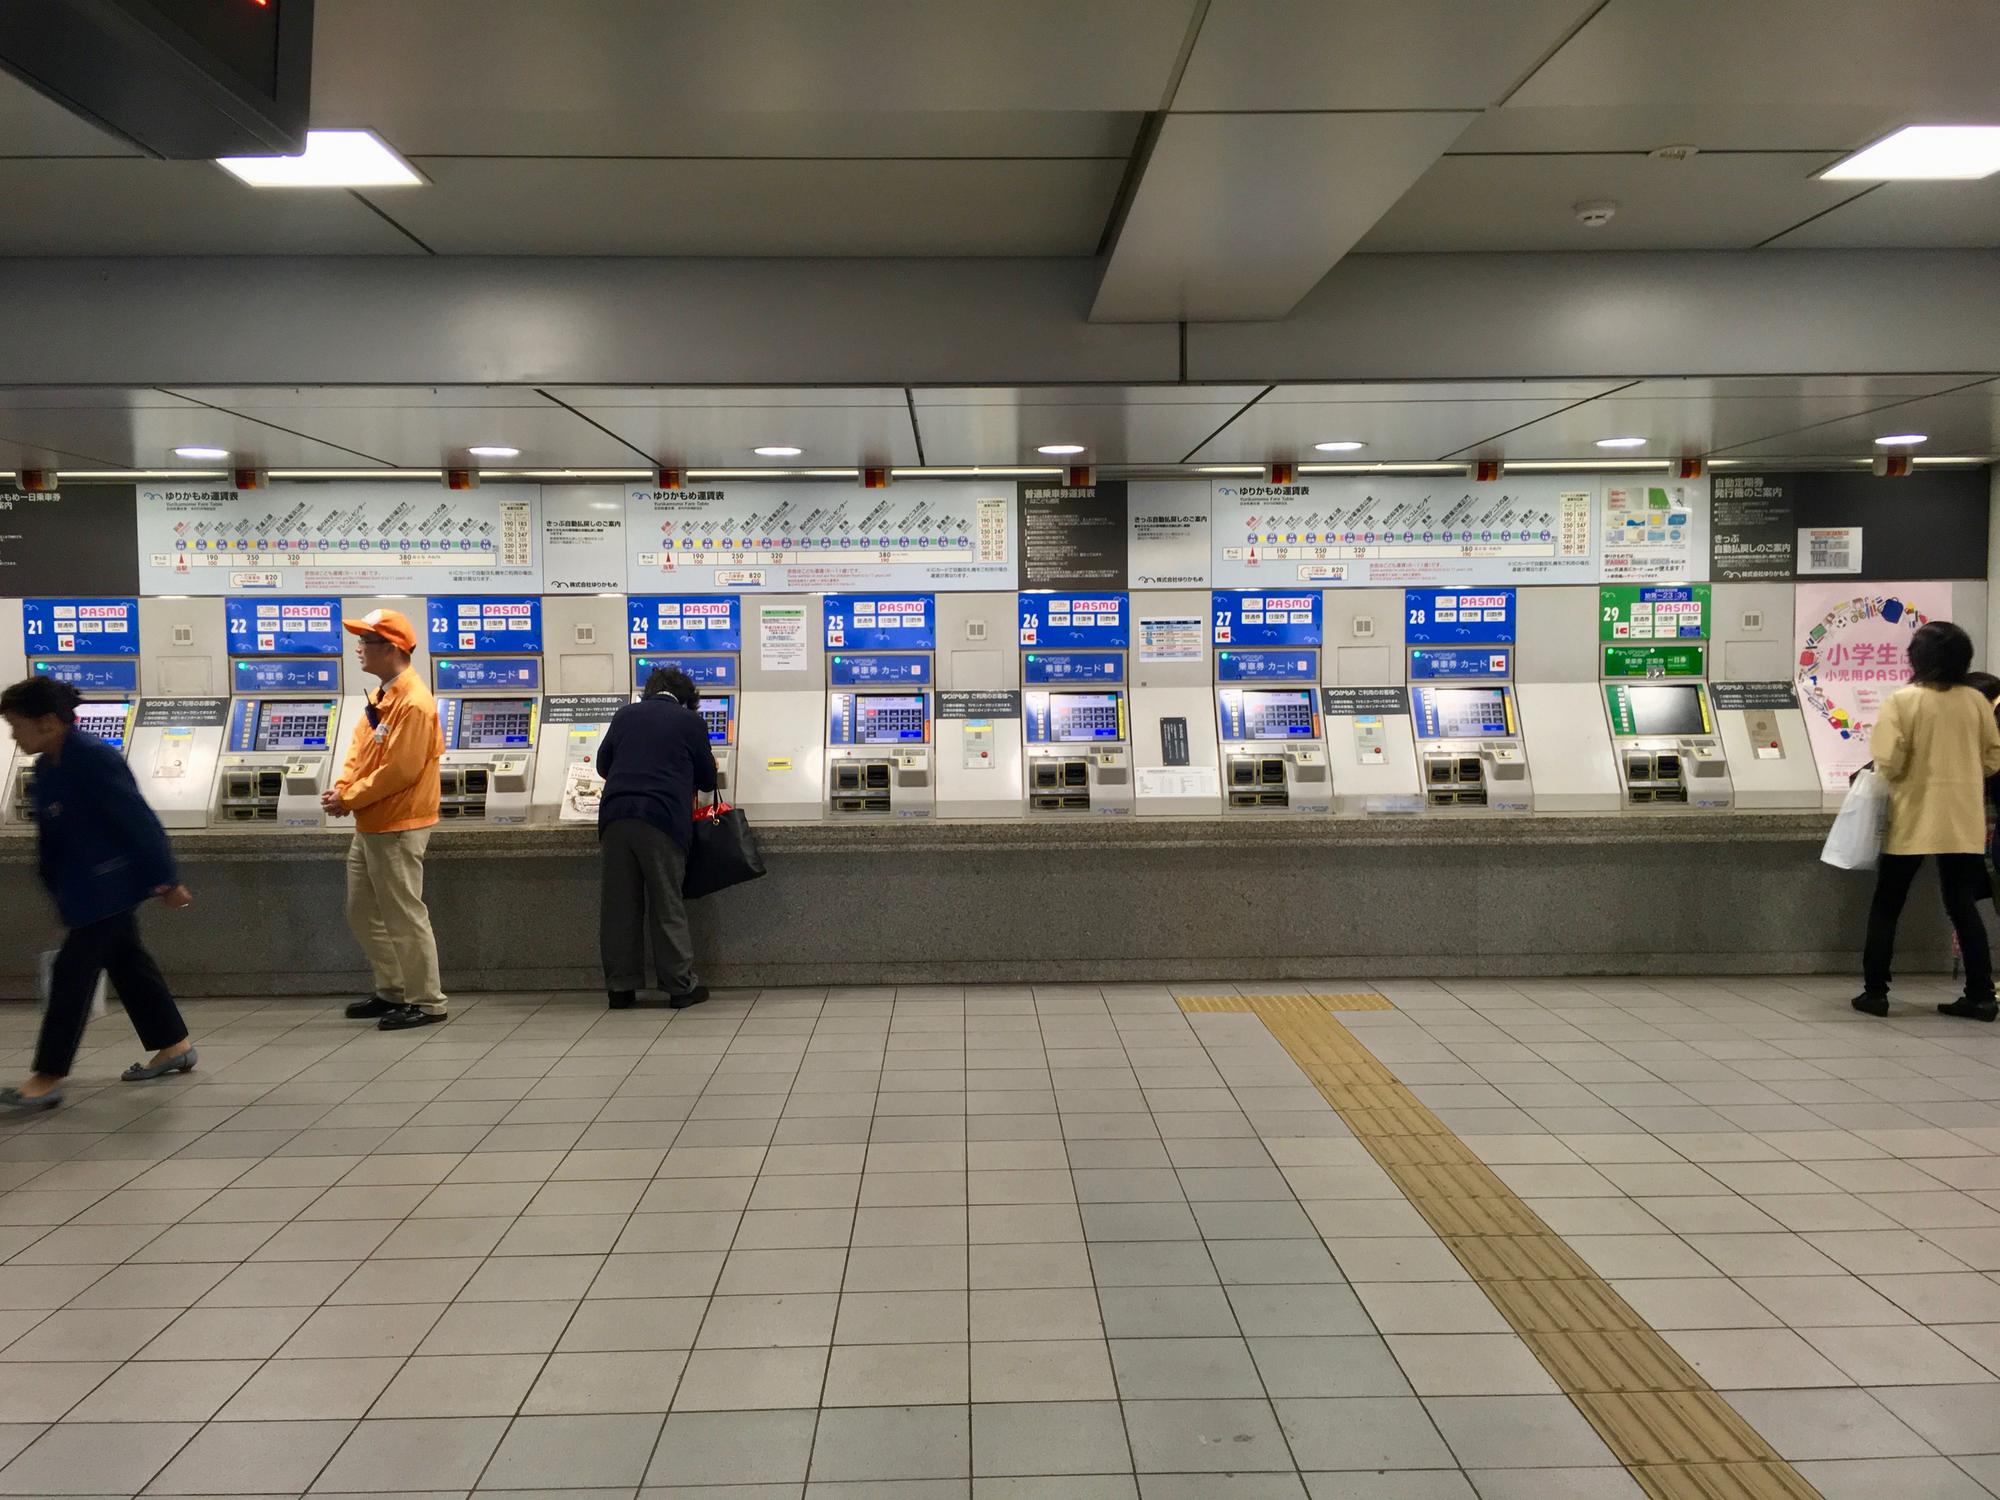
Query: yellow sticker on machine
(779, 763)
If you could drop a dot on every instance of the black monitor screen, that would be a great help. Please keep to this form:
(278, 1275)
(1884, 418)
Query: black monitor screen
(1666, 710)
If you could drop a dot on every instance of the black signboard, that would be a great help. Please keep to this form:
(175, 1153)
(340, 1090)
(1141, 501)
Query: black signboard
(1930, 524)
(83, 539)
(980, 704)
(1072, 536)
(1342, 702)
(1753, 695)
(1173, 742)
(181, 713)
(581, 708)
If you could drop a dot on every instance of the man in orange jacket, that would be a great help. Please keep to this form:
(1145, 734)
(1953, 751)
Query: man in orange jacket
(390, 785)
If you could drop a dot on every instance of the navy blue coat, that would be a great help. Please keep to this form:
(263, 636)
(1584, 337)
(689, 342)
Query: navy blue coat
(102, 851)
(654, 757)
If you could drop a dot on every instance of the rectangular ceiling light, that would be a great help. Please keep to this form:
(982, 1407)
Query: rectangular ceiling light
(332, 159)
(1924, 152)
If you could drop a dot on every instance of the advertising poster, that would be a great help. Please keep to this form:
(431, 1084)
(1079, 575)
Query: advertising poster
(1072, 536)
(583, 539)
(1168, 524)
(1852, 642)
(356, 537)
(812, 536)
(1653, 532)
(1403, 530)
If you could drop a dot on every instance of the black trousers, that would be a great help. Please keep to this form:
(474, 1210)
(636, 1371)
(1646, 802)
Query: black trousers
(1965, 882)
(111, 947)
(640, 897)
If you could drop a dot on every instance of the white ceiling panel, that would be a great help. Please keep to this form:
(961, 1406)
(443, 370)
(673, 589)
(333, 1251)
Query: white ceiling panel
(32, 124)
(1962, 422)
(1922, 58)
(145, 437)
(273, 400)
(1083, 395)
(722, 437)
(422, 437)
(760, 398)
(1114, 427)
(1239, 216)
(1395, 431)
(19, 449)
(115, 397)
(1528, 203)
(1552, 392)
(1864, 392)
(841, 208)
(145, 207)
(1750, 123)
(395, 65)
(1931, 215)
(1364, 54)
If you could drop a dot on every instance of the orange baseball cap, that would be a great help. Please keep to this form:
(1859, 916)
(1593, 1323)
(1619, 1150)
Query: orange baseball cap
(391, 624)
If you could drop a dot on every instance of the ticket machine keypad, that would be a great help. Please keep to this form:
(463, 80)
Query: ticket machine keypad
(1085, 721)
(890, 724)
(1280, 720)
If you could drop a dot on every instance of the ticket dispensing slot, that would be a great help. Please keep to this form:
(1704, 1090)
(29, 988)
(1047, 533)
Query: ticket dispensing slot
(1079, 758)
(1668, 752)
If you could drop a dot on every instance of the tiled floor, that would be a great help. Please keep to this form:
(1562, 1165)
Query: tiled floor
(1002, 1243)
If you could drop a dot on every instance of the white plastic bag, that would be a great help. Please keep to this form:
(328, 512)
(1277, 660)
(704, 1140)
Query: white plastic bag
(48, 973)
(1856, 837)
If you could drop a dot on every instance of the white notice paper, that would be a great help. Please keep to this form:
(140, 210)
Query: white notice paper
(781, 637)
(1170, 637)
(1180, 781)
(1829, 549)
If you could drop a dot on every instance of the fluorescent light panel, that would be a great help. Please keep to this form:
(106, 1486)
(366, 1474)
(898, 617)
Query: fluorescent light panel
(1917, 153)
(332, 159)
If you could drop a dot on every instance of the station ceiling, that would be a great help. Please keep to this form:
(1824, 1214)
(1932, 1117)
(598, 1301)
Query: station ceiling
(358, 428)
(1220, 156)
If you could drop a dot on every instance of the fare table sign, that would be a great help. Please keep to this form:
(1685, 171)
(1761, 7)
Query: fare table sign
(1647, 612)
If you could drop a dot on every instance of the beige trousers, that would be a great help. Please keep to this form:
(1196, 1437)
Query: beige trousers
(386, 912)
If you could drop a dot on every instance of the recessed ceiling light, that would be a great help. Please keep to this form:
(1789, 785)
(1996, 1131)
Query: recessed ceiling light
(1621, 442)
(1345, 445)
(332, 159)
(201, 453)
(1060, 450)
(494, 452)
(1916, 152)
(777, 450)
(1902, 439)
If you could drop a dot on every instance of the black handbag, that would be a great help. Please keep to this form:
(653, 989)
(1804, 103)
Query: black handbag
(722, 853)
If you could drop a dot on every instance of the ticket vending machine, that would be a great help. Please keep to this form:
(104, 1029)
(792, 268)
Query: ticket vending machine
(781, 770)
(282, 747)
(1365, 697)
(178, 728)
(880, 669)
(587, 674)
(1175, 753)
(486, 669)
(92, 644)
(1273, 742)
(1755, 699)
(1664, 736)
(1076, 718)
(702, 634)
(1460, 645)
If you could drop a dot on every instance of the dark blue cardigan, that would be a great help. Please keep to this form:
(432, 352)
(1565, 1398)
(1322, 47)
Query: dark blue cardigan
(102, 850)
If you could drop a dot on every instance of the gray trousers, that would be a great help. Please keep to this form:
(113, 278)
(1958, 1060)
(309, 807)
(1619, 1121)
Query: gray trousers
(641, 893)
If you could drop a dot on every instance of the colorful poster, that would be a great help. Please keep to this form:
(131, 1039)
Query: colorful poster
(819, 536)
(1419, 530)
(1654, 532)
(364, 536)
(1853, 642)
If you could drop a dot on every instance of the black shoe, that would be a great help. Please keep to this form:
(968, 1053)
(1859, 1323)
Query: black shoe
(370, 1009)
(402, 1017)
(622, 999)
(1874, 1005)
(1969, 1009)
(690, 997)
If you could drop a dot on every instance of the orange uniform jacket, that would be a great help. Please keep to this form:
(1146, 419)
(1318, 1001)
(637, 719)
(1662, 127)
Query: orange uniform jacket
(391, 777)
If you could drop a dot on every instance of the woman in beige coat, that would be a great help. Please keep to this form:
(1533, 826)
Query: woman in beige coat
(1935, 743)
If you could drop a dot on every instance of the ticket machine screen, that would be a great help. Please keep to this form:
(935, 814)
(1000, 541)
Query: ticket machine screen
(496, 723)
(1667, 710)
(1277, 715)
(292, 726)
(1077, 717)
(1464, 713)
(889, 718)
(104, 721)
(715, 714)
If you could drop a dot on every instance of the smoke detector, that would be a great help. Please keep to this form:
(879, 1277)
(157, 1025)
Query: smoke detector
(1595, 213)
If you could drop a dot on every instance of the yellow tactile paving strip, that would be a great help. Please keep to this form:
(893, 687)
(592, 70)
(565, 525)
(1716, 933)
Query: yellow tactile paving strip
(1677, 1437)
